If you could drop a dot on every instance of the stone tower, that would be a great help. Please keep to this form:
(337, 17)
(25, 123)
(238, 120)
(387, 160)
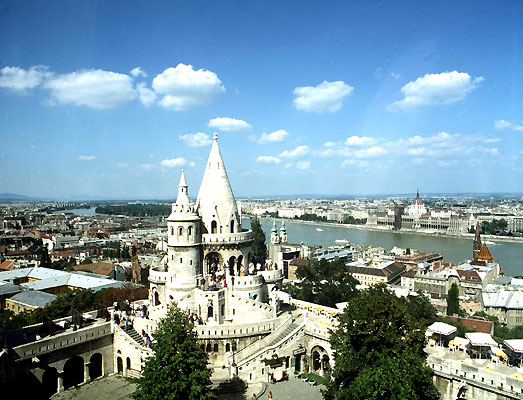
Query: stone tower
(476, 247)
(283, 232)
(184, 244)
(275, 239)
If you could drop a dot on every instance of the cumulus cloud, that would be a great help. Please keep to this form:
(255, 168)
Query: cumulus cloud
(136, 72)
(360, 141)
(299, 151)
(303, 164)
(147, 96)
(86, 158)
(273, 137)
(184, 87)
(21, 80)
(371, 152)
(228, 124)
(436, 89)
(198, 139)
(92, 88)
(268, 160)
(145, 167)
(503, 125)
(325, 97)
(177, 162)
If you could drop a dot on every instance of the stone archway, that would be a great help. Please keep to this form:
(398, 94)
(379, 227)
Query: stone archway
(232, 261)
(73, 372)
(213, 263)
(95, 366)
(320, 360)
(239, 264)
(119, 365)
(157, 299)
(50, 381)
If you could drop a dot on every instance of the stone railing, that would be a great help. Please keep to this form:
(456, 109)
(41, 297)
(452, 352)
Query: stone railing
(240, 330)
(238, 282)
(156, 276)
(313, 328)
(479, 377)
(218, 238)
(63, 340)
(272, 276)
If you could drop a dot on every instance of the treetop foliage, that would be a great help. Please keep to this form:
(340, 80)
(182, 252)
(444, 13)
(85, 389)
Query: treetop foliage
(259, 248)
(178, 368)
(379, 348)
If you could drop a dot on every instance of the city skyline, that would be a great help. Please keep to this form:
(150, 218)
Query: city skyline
(329, 99)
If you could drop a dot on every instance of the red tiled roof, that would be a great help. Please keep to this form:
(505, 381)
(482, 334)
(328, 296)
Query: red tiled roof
(7, 265)
(475, 325)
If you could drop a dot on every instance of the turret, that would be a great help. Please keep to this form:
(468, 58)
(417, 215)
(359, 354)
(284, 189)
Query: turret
(275, 239)
(283, 232)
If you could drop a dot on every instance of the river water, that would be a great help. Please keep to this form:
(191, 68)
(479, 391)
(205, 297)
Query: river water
(454, 250)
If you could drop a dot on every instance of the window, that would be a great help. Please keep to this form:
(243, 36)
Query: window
(189, 230)
(215, 348)
(180, 231)
(214, 227)
(232, 226)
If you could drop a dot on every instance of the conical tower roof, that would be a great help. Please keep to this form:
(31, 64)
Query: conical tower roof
(485, 254)
(183, 192)
(215, 199)
(274, 230)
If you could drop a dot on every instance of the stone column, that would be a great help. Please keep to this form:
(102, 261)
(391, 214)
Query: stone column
(60, 387)
(87, 377)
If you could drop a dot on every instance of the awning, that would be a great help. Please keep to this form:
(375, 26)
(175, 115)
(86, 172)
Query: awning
(480, 339)
(319, 308)
(498, 352)
(517, 376)
(516, 345)
(458, 342)
(442, 328)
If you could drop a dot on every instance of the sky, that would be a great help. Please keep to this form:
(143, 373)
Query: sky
(112, 99)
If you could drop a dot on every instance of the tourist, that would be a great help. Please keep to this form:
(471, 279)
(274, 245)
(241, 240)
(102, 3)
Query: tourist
(270, 396)
(254, 396)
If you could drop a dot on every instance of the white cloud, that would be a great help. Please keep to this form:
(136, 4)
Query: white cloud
(198, 139)
(492, 140)
(326, 97)
(371, 152)
(303, 164)
(176, 162)
(136, 72)
(354, 163)
(228, 124)
(297, 152)
(145, 167)
(184, 88)
(86, 158)
(503, 125)
(436, 89)
(147, 96)
(395, 75)
(93, 88)
(359, 141)
(268, 160)
(273, 137)
(21, 80)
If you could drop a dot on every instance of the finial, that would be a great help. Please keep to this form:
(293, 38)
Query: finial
(215, 136)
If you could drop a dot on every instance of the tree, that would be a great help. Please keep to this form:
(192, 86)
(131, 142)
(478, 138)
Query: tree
(453, 300)
(259, 249)
(178, 367)
(325, 283)
(378, 350)
(43, 257)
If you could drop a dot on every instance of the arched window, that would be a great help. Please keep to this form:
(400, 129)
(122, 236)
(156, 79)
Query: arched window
(215, 348)
(128, 362)
(180, 230)
(232, 226)
(227, 347)
(214, 227)
(210, 312)
(172, 231)
(208, 348)
(189, 231)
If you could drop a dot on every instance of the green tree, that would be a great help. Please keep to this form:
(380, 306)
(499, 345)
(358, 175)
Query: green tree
(325, 283)
(378, 350)
(178, 367)
(259, 248)
(453, 300)
(43, 257)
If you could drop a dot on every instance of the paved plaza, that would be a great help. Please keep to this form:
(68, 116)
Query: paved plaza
(115, 387)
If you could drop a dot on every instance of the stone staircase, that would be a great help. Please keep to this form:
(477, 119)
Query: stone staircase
(133, 334)
(272, 340)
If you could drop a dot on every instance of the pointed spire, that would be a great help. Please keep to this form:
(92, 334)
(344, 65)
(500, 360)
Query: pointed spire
(476, 246)
(283, 229)
(215, 199)
(417, 193)
(183, 192)
(274, 230)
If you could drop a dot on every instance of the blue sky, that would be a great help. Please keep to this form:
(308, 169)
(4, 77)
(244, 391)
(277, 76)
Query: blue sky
(112, 99)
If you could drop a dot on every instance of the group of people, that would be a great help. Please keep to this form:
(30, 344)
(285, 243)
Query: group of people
(196, 319)
(146, 339)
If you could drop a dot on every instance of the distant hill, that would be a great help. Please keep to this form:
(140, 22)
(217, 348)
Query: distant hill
(14, 196)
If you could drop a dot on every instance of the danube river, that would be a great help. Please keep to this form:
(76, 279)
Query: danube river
(454, 250)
